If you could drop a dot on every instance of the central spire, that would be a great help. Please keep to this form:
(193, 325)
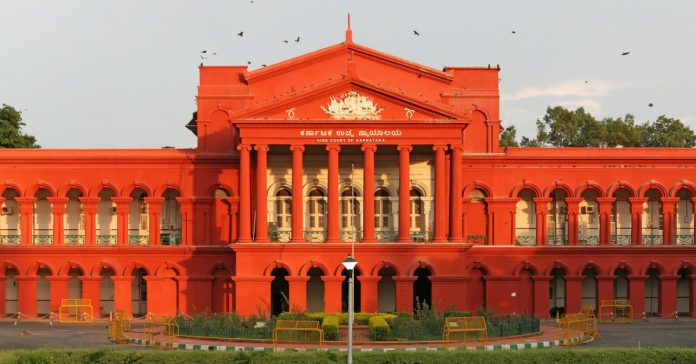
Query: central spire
(349, 33)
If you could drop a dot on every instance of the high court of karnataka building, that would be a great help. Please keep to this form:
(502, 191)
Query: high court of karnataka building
(297, 160)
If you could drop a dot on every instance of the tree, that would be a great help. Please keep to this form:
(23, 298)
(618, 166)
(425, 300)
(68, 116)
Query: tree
(669, 132)
(11, 135)
(508, 137)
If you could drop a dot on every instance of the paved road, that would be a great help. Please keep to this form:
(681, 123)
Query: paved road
(651, 333)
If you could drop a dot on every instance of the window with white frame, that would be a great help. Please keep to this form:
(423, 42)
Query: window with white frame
(382, 209)
(283, 207)
(416, 210)
(316, 208)
(350, 209)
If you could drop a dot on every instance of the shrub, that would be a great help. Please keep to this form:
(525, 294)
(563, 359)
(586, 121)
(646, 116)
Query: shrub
(379, 329)
(330, 327)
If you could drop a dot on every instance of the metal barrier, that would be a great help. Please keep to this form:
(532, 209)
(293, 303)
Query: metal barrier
(165, 326)
(465, 329)
(574, 323)
(293, 331)
(616, 311)
(118, 326)
(589, 312)
(75, 311)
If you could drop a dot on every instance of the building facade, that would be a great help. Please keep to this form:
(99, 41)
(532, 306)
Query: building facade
(298, 160)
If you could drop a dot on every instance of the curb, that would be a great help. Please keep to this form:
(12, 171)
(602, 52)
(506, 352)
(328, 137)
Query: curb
(202, 347)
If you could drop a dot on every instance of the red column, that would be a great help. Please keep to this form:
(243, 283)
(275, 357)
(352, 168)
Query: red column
(253, 295)
(234, 207)
(368, 293)
(668, 294)
(123, 294)
(186, 211)
(154, 209)
(605, 204)
(541, 296)
(261, 197)
(404, 293)
(58, 211)
(464, 208)
(244, 193)
(89, 207)
(404, 193)
(573, 293)
(542, 208)
(3, 312)
(605, 289)
(668, 205)
(59, 290)
(440, 195)
(26, 220)
(297, 196)
(332, 293)
(368, 194)
(636, 294)
(637, 219)
(573, 204)
(333, 236)
(122, 207)
(91, 291)
(26, 295)
(456, 195)
(298, 293)
(449, 291)
(692, 299)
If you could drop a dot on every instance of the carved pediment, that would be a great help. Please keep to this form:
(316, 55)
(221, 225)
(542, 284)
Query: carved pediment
(353, 106)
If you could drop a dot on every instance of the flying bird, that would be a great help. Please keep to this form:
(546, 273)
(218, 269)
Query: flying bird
(263, 65)
(514, 32)
(205, 51)
(241, 34)
(416, 32)
(650, 104)
(248, 62)
(285, 41)
(297, 40)
(586, 81)
(625, 53)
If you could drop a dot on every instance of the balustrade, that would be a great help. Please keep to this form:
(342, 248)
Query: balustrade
(621, 240)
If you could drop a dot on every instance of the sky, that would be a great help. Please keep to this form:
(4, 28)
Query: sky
(123, 74)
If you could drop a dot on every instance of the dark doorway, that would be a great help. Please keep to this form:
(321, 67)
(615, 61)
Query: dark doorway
(344, 292)
(280, 291)
(422, 289)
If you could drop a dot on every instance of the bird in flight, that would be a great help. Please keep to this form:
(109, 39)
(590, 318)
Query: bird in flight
(297, 40)
(248, 62)
(241, 34)
(285, 41)
(625, 53)
(514, 32)
(650, 104)
(587, 81)
(416, 32)
(263, 65)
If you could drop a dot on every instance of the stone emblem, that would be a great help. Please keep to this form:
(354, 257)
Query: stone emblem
(353, 106)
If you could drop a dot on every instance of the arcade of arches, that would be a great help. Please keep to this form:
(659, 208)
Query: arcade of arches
(296, 162)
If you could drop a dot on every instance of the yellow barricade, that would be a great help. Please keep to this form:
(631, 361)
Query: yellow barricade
(574, 323)
(294, 331)
(616, 311)
(465, 329)
(159, 330)
(75, 311)
(118, 326)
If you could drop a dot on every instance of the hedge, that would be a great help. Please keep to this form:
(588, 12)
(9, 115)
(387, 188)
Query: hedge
(379, 328)
(330, 326)
(110, 356)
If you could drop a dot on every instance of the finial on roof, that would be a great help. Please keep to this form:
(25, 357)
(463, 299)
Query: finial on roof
(349, 33)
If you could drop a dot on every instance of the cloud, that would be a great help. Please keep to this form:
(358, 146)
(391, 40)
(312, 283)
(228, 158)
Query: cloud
(575, 89)
(591, 105)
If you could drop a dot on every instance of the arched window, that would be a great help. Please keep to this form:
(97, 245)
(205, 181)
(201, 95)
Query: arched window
(652, 218)
(283, 206)
(316, 209)
(684, 218)
(557, 218)
(525, 218)
(416, 211)
(350, 210)
(382, 210)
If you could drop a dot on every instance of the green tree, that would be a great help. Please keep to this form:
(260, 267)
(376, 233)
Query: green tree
(508, 137)
(561, 127)
(11, 135)
(668, 132)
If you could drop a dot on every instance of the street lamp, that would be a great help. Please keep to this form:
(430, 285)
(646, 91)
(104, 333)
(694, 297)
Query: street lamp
(349, 263)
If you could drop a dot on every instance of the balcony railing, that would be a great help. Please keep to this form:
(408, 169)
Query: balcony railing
(556, 240)
(684, 240)
(525, 240)
(42, 239)
(477, 239)
(74, 239)
(652, 239)
(137, 239)
(106, 239)
(420, 236)
(280, 235)
(10, 239)
(349, 235)
(314, 235)
(621, 240)
(588, 240)
(170, 237)
(387, 236)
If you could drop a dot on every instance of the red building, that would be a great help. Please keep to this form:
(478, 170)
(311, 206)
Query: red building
(297, 159)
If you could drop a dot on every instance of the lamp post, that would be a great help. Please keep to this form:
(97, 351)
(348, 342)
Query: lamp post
(349, 263)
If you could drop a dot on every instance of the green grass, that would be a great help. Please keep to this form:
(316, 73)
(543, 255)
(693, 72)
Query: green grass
(561, 355)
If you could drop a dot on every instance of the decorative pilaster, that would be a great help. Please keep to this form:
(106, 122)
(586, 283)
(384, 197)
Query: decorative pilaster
(58, 211)
(637, 219)
(122, 207)
(541, 296)
(542, 208)
(456, 195)
(186, 211)
(573, 294)
(605, 204)
(573, 204)
(332, 293)
(297, 196)
(244, 193)
(297, 293)
(368, 194)
(404, 193)
(333, 204)
(636, 292)
(26, 219)
(368, 292)
(26, 295)
(404, 293)
(668, 207)
(440, 195)
(123, 294)
(261, 198)
(89, 207)
(154, 209)
(668, 294)
(91, 290)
